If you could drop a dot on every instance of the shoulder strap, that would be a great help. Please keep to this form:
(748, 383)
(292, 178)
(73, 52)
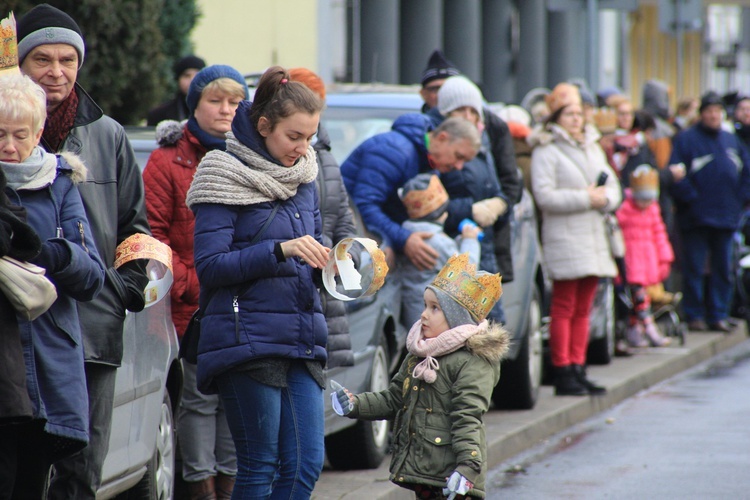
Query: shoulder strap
(583, 173)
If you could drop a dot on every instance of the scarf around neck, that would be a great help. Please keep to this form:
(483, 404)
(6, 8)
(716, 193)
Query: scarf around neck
(445, 343)
(241, 176)
(207, 140)
(35, 172)
(60, 121)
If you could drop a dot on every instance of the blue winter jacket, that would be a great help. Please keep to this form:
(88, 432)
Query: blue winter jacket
(476, 181)
(717, 185)
(379, 166)
(278, 311)
(52, 343)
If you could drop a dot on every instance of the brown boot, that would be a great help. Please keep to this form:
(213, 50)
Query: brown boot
(224, 486)
(202, 490)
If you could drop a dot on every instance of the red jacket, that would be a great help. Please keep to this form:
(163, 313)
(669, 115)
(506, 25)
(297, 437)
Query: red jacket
(167, 178)
(648, 253)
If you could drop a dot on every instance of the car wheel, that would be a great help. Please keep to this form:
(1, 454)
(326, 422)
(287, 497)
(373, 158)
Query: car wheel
(365, 445)
(158, 481)
(601, 350)
(520, 378)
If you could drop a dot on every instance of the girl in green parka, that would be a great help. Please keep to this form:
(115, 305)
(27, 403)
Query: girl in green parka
(443, 388)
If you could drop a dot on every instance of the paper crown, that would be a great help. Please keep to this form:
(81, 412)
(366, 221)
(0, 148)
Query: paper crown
(373, 269)
(158, 268)
(644, 177)
(477, 294)
(605, 120)
(420, 203)
(8, 45)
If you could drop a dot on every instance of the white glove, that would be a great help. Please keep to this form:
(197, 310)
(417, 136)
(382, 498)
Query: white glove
(486, 212)
(457, 485)
(341, 399)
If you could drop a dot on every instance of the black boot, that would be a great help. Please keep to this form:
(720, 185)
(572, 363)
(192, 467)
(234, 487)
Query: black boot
(566, 383)
(580, 374)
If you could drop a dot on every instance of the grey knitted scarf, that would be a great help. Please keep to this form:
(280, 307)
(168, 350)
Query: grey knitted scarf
(245, 177)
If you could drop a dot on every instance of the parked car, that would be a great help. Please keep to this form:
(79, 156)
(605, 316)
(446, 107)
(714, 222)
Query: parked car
(356, 112)
(140, 463)
(377, 341)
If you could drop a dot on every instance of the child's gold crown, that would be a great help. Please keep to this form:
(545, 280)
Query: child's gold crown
(477, 294)
(8, 46)
(644, 177)
(422, 202)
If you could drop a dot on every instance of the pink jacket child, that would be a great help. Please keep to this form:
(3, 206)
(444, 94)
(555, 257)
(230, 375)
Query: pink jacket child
(648, 253)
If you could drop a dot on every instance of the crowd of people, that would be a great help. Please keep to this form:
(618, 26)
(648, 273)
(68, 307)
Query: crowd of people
(251, 201)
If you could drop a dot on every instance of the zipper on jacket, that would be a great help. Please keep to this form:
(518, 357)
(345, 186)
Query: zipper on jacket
(83, 235)
(236, 308)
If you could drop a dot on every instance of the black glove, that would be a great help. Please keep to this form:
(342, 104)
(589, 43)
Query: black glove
(54, 257)
(24, 243)
(130, 280)
(5, 234)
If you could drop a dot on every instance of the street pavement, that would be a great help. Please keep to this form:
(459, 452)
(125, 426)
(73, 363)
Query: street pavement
(511, 432)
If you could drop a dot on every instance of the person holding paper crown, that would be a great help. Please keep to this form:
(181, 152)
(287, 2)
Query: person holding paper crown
(443, 387)
(259, 255)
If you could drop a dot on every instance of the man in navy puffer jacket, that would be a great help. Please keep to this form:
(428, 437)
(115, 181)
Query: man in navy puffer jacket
(383, 163)
(709, 202)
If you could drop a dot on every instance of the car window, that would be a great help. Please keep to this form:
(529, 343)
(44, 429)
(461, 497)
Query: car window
(348, 127)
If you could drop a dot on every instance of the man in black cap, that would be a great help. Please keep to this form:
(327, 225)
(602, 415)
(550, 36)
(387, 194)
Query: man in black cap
(51, 50)
(176, 108)
(437, 71)
(709, 201)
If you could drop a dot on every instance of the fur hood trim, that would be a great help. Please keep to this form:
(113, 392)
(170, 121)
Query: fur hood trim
(79, 172)
(168, 132)
(543, 135)
(492, 344)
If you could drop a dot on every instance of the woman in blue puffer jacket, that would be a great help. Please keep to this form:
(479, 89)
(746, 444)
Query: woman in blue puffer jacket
(258, 256)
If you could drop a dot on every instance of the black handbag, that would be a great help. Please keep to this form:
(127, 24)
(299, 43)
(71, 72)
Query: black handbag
(191, 337)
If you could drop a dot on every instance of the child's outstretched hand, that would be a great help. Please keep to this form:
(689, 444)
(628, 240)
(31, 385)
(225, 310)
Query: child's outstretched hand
(457, 485)
(341, 399)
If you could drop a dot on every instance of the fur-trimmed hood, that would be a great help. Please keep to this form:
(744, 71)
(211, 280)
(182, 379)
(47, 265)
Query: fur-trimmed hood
(542, 135)
(491, 344)
(168, 132)
(77, 170)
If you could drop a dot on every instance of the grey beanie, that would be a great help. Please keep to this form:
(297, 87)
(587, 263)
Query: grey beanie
(455, 314)
(457, 92)
(45, 25)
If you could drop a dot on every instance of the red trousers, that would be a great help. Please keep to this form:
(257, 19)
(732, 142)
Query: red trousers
(569, 320)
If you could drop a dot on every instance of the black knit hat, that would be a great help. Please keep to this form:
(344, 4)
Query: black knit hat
(438, 67)
(188, 62)
(711, 98)
(45, 25)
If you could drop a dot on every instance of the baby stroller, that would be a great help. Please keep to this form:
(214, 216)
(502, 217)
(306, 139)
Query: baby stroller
(663, 307)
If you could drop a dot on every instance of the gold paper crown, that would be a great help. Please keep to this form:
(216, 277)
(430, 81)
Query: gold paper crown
(477, 295)
(8, 45)
(605, 120)
(644, 177)
(420, 203)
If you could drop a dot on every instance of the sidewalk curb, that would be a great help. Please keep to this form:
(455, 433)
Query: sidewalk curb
(512, 432)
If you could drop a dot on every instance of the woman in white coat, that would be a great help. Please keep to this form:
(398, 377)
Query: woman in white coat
(566, 164)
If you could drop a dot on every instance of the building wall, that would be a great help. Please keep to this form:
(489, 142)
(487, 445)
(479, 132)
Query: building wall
(653, 55)
(252, 35)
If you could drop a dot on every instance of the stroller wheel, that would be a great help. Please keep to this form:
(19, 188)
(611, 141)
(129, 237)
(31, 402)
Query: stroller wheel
(682, 329)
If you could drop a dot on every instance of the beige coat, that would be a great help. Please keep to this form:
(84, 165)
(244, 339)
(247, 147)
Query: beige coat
(573, 235)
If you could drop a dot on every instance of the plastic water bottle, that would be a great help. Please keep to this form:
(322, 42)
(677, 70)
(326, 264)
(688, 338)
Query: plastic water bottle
(463, 223)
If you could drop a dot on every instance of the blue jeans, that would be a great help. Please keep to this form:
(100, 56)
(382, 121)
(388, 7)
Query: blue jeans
(277, 432)
(716, 245)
